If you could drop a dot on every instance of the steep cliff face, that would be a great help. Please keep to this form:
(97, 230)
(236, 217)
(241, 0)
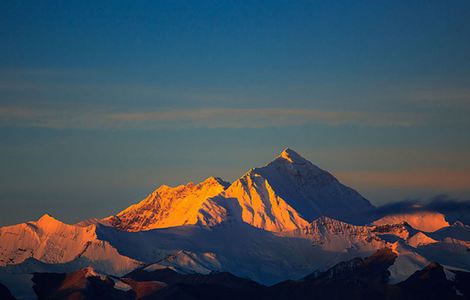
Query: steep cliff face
(285, 195)
(168, 206)
(335, 235)
(251, 199)
(311, 191)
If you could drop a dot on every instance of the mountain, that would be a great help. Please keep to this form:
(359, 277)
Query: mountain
(82, 284)
(158, 284)
(431, 283)
(358, 278)
(246, 251)
(252, 200)
(373, 268)
(422, 220)
(168, 206)
(337, 236)
(458, 231)
(400, 230)
(50, 241)
(284, 195)
(407, 262)
(311, 191)
(170, 276)
(368, 278)
(185, 262)
(279, 222)
(239, 248)
(420, 239)
(46, 239)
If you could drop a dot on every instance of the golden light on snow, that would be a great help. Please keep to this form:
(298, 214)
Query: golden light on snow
(423, 220)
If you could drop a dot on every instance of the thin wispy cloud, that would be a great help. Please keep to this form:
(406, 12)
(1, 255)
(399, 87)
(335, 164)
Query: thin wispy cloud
(86, 118)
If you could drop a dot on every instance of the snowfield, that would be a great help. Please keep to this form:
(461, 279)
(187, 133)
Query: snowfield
(282, 221)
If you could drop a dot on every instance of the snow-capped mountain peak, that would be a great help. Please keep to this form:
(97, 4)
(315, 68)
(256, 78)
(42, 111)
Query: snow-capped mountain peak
(51, 241)
(311, 191)
(47, 218)
(216, 181)
(47, 222)
(258, 205)
(420, 239)
(168, 206)
(292, 156)
(286, 194)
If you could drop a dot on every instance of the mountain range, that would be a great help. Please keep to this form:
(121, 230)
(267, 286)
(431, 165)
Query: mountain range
(288, 225)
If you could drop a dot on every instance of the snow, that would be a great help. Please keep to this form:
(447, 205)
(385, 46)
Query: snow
(450, 252)
(334, 235)
(51, 241)
(246, 251)
(449, 274)
(90, 272)
(252, 200)
(422, 220)
(268, 225)
(186, 262)
(121, 285)
(311, 191)
(398, 230)
(420, 239)
(284, 195)
(241, 249)
(168, 206)
(92, 221)
(406, 263)
(458, 230)
(47, 239)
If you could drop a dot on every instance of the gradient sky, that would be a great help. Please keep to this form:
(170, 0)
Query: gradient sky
(103, 101)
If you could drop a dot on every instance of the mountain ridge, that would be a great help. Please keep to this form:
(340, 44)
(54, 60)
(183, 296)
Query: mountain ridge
(285, 194)
(253, 228)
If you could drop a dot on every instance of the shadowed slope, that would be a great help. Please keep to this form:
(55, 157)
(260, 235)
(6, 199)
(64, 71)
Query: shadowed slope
(5, 293)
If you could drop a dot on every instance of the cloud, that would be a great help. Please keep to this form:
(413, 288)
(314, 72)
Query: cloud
(453, 209)
(102, 118)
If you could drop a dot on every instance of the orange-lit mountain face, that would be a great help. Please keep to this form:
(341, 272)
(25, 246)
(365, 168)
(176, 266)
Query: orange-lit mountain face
(168, 206)
(284, 195)
(421, 220)
(50, 241)
(278, 222)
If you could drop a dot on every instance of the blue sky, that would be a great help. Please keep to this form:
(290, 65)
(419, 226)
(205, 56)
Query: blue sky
(102, 102)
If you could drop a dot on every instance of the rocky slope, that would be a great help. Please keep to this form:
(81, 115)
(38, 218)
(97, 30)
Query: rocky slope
(281, 221)
(168, 206)
(284, 195)
(358, 278)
